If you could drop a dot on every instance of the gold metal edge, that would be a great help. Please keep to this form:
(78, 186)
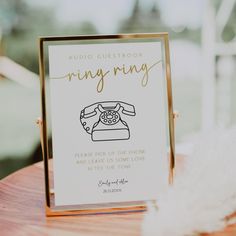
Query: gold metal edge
(43, 122)
(170, 110)
(107, 36)
(122, 209)
(164, 35)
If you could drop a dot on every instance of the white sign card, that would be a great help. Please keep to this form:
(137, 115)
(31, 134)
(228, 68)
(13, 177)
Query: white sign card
(109, 121)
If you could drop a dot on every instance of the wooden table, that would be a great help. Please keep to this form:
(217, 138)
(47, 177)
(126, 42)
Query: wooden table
(22, 212)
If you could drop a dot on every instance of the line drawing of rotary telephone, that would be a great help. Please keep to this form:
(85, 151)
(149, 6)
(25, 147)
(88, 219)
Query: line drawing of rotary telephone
(104, 120)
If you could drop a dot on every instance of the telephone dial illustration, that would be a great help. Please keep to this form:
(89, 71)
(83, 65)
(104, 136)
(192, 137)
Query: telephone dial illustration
(104, 120)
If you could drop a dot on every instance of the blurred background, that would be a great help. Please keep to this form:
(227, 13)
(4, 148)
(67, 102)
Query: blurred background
(203, 57)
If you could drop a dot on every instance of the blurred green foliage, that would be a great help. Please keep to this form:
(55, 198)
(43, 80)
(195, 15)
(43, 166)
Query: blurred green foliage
(24, 23)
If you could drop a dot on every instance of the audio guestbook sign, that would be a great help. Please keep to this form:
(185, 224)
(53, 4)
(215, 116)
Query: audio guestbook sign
(109, 109)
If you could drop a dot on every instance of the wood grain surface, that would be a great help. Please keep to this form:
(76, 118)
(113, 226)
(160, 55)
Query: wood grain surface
(22, 212)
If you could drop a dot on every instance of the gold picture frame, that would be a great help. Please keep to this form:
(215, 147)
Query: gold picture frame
(51, 209)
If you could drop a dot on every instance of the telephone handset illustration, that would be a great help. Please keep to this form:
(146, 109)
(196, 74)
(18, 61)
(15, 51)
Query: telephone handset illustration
(104, 120)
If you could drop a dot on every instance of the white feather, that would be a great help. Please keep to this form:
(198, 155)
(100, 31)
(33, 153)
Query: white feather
(202, 195)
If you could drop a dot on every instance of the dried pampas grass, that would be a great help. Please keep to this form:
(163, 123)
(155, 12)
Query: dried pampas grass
(202, 195)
